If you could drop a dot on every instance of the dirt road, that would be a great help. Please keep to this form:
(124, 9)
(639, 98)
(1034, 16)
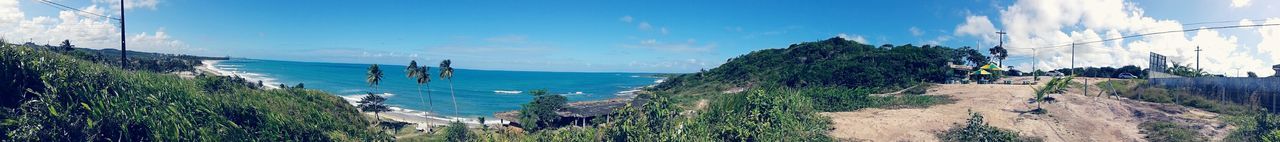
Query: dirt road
(1073, 117)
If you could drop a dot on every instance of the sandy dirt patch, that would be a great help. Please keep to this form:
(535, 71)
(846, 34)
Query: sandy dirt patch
(1073, 117)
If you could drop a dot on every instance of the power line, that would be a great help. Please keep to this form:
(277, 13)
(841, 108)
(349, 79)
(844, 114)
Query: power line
(1154, 33)
(65, 7)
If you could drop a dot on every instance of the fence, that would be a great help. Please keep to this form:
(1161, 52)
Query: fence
(1266, 91)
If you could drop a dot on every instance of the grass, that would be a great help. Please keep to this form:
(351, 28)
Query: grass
(54, 97)
(1170, 132)
(1245, 118)
(976, 129)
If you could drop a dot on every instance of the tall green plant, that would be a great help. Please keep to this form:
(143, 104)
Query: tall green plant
(424, 77)
(1057, 85)
(373, 76)
(374, 103)
(446, 73)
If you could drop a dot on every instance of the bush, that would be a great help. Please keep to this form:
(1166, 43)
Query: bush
(772, 114)
(1170, 132)
(977, 130)
(48, 96)
(457, 132)
(541, 112)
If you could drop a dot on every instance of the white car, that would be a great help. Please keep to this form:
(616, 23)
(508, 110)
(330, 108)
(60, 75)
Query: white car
(1055, 73)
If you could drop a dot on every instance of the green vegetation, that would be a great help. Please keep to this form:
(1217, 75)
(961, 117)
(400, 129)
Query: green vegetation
(422, 76)
(138, 61)
(373, 103)
(977, 130)
(833, 62)
(836, 74)
(833, 99)
(541, 112)
(1170, 132)
(1055, 86)
(49, 96)
(446, 73)
(457, 132)
(1252, 123)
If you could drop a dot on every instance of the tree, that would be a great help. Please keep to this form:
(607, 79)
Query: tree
(66, 45)
(541, 112)
(1185, 70)
(999, 53)
(446, 73)
(482, 125)
(374, 76)
(299, 86)
(373, 103)
(456, 132)
(974, 57)
(420, 76)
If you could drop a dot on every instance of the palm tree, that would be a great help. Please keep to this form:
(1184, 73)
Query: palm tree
(423, 76)
(374, 76)
(373, 103)
(446, 73)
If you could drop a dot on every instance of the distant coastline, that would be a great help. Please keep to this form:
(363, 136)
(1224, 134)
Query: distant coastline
(210, 67)
(423, 119)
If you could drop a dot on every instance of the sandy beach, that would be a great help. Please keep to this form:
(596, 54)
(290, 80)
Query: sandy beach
(209, 67)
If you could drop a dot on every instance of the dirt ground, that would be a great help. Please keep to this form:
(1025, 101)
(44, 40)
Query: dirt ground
(1073, 118)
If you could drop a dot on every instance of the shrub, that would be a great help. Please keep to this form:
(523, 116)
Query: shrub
(541, 112)
(1170, 132)
(457, 132)
(977, 130)
(772, 114)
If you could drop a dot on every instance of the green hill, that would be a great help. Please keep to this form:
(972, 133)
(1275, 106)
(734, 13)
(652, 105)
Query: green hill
(834, 62)
(52, 96)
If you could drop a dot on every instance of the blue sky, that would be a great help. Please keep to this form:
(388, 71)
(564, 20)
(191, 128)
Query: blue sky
(630, 36)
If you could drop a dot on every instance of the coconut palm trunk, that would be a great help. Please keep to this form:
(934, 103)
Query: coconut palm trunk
(455, 98)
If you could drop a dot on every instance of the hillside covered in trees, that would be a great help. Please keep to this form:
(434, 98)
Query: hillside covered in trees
(52, 95)
(834, 62)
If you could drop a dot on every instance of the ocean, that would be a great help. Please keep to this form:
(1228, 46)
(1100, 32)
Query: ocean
(480, 93)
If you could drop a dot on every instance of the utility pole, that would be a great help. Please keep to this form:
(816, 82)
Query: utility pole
(1001, 45)
(1073, 58)
(124, 62)
(1198, 59)
(1034, 64)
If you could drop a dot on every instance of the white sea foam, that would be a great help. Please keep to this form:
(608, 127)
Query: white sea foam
(229, 70)
(417, 116)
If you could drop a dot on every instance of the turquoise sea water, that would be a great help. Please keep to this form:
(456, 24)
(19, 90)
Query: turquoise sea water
(475, 89)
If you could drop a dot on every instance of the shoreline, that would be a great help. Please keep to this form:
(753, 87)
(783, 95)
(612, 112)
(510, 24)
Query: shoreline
(210, 67)
(421, 119)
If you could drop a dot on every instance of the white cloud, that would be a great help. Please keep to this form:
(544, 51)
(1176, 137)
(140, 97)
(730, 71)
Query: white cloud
(627, 19)
(689, 46)
(1239, 3)
(130, 4)
(916, 31)
(1245, 22)
(857, 38)
(979, 26)
(82, 31)
(508, 39)
(663, 30)
(644, 26)
(1035, 23)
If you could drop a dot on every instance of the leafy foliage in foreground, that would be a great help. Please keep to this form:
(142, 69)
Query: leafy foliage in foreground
(977, 130)
(49, 96)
